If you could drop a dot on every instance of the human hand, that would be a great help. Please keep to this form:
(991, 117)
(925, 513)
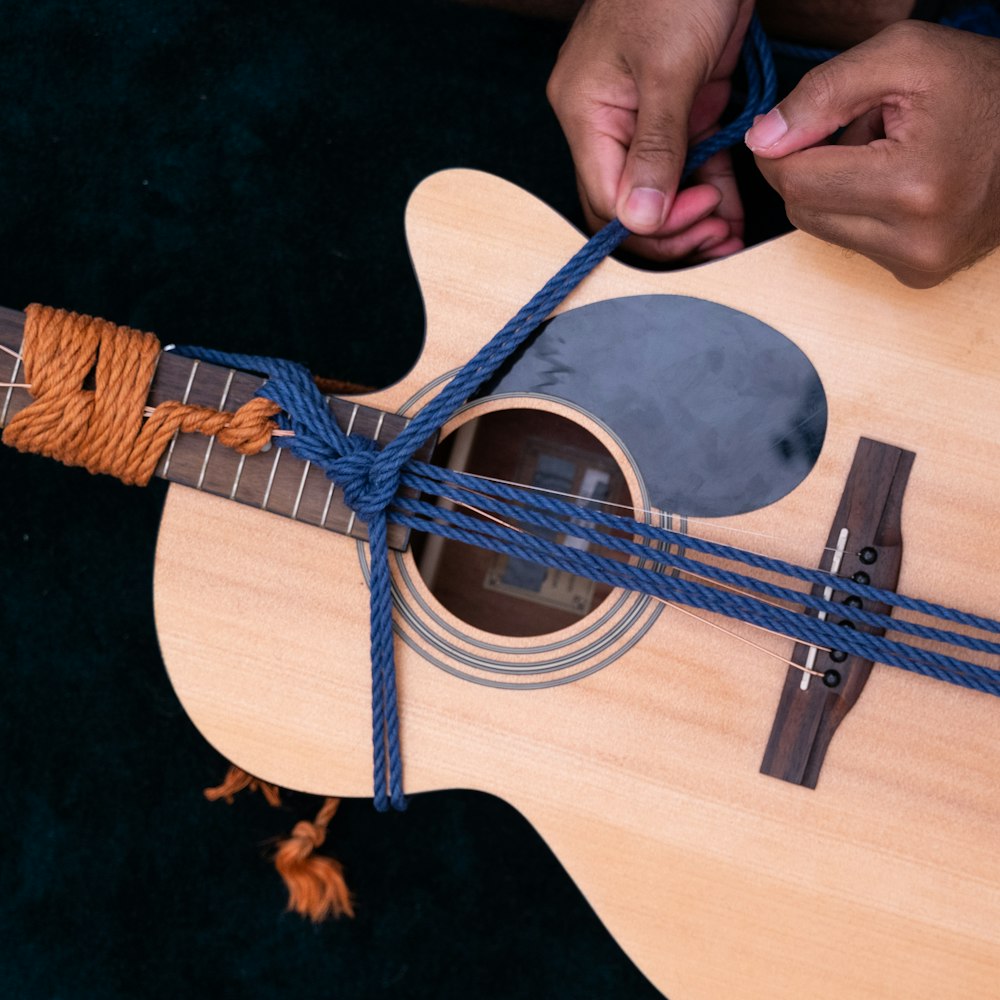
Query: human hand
(635, 82)
(913, 181)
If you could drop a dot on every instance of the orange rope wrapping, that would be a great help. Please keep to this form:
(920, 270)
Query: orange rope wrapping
(103, 429)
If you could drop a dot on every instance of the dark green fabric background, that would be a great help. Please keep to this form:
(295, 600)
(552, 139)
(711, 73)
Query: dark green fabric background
(235, 175)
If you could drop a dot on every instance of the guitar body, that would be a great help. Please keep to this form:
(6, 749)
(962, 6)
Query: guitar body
(643, 775)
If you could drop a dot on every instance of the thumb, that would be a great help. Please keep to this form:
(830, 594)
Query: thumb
(827, 98)
(653, 166)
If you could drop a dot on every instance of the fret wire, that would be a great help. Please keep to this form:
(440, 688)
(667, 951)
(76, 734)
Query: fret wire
(173, 440)
(378, 426)
(302, 485)
(270, 478)
(10, 391)
(350, 523)
(326, 506)
(333, 486)
(211, 440)
(350, 423)
(239, 474)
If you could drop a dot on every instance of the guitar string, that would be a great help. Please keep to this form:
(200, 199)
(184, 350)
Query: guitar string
(555, 513)
(542, 491)
(586, 500)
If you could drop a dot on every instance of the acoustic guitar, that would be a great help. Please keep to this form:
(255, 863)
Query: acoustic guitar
(744, 829)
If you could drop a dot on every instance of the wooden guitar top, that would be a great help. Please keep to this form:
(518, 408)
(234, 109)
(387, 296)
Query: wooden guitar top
(643, 776)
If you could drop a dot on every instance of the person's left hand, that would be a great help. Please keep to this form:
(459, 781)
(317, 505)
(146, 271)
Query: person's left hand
(913, 181)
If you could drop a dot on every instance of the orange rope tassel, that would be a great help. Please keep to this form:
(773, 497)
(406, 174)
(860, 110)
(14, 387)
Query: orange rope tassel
(316, 886)
(103, 429)
(236, 780)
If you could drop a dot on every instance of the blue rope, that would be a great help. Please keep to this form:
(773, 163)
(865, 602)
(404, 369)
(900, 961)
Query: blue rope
(804, 628)
(981, 18)
(659, 553)
(435, 481)
(762, 89)
(371, 478)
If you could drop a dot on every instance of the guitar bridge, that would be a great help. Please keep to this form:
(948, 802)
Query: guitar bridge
(866, 545)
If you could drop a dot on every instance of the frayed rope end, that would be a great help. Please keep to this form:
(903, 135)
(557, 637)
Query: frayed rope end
(316, 885)
(236, 780)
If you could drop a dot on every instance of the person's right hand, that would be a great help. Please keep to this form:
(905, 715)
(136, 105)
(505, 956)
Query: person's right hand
(635, 83)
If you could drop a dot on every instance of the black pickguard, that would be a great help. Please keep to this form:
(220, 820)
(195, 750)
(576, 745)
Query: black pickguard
(721, 412)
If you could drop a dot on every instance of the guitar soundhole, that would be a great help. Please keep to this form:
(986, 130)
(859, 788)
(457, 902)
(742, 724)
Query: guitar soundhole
(502, 594)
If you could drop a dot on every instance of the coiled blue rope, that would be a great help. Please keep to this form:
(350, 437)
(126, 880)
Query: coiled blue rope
(371, 479)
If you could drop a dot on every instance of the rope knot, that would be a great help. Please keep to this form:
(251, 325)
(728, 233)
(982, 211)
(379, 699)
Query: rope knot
(369, 482)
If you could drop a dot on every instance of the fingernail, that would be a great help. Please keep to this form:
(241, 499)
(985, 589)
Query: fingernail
(766, 131)
(645, 208)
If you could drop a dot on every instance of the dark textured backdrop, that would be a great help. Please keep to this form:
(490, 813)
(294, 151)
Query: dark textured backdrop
(235, 174)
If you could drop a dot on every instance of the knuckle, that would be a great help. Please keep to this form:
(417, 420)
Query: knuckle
(819, 88)
(655, 146)
(908, 35)
(931, 254)
(555, 89)
(922, 198)
(804, 219)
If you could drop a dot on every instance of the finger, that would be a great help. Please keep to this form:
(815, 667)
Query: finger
(598, 141)
(858, 180)
(709, 232)
(877, 240)
(656, 154)
(724, 249)
(718, 172)
(844, 89)
(689, 207)
(863, 130)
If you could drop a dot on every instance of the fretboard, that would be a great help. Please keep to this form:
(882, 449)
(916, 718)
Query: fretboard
(274, 480)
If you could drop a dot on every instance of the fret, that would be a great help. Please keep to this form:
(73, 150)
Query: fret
(350, 423)
(173, 440)
(306, 466)
(211, 440)
(236, 480)
(326, 506)
(10, 390)
(378, 426)
(270, 478)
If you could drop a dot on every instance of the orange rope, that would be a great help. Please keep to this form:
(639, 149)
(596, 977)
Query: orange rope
(103, 429)
(315, 882)
(236, 780)
(316, 885)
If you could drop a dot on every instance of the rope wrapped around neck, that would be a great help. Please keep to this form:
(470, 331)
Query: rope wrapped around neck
(105, 428)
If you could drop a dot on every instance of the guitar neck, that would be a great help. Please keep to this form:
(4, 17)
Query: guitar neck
(274, 480)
